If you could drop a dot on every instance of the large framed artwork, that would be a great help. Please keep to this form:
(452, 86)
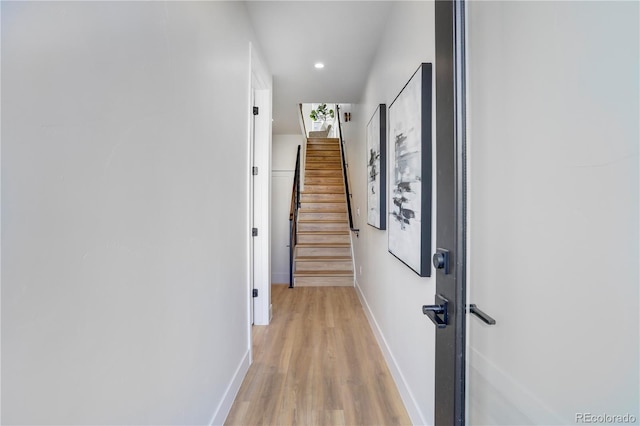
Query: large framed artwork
(410, 157)
(377, 168)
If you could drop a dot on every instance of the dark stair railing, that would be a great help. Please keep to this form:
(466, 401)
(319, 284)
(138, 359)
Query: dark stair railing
(345, 172)
(293, 216)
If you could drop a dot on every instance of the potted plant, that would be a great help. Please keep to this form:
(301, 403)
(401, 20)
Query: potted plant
(322, 113)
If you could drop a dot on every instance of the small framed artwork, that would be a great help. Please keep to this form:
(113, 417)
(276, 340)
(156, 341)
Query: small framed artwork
(410, 163)
(377, 168)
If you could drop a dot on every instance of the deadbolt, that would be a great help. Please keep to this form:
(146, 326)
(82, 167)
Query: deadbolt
(441, 260)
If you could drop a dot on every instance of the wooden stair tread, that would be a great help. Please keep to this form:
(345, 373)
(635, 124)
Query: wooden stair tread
(324, 211)
(327, 273)
(339, 208)
(346, 231)
(322, 258)
(326, 184)
(339, 202)
(323, 245)
(324, 200)
(327, 197)
(334, 198)
(323, 220)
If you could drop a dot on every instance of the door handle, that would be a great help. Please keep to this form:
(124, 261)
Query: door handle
(438, 314)
(483, 316)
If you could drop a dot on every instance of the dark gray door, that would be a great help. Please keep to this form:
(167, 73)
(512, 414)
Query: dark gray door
(448, 310)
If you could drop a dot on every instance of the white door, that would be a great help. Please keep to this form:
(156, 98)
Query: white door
(553, 147)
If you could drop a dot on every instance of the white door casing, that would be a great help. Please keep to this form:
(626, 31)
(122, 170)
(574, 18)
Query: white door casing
(261, 91)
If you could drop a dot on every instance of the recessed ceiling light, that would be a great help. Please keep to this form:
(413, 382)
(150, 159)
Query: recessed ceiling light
(319, 65)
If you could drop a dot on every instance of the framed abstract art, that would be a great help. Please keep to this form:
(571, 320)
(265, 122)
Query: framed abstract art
(410, 164)
(377, 168)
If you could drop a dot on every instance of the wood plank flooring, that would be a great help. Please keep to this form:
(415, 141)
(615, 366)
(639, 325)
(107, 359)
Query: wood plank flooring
(317, 363)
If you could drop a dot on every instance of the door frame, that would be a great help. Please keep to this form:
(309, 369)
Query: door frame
(259, 192)
(450, 365)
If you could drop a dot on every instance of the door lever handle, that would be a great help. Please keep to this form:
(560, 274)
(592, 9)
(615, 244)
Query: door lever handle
(435, 311)
(483, 316)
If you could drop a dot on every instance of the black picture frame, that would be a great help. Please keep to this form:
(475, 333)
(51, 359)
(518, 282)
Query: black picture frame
(377, 168)
(411, 172)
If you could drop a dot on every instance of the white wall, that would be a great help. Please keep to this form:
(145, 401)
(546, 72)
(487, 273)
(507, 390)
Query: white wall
(392, 293)
(124, 226)
(554, 149)
(283, 158)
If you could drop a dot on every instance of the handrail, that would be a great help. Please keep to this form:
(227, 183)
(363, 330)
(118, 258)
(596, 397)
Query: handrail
(302, 125)
(293, 216)
(345, 172)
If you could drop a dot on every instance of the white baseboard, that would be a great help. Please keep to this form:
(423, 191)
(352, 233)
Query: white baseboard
(417, 418)
(222, 411)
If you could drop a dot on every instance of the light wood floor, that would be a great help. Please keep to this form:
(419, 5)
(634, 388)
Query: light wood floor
(317, 363)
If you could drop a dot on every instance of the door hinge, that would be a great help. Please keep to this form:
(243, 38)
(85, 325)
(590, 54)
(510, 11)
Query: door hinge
(254, 170)
(254, 232)
(255, 292)
(256, 110)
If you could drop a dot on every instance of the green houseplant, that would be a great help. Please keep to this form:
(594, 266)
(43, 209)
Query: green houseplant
(322, 113)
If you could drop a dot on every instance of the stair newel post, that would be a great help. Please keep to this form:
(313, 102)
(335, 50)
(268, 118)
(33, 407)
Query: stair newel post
(290, 252)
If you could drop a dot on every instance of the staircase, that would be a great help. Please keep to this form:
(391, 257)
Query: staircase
(323, 251)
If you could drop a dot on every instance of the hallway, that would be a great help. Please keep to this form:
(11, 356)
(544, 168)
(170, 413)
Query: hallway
(317, 363)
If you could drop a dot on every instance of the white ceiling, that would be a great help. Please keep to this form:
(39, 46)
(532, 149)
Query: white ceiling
(294, 35)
